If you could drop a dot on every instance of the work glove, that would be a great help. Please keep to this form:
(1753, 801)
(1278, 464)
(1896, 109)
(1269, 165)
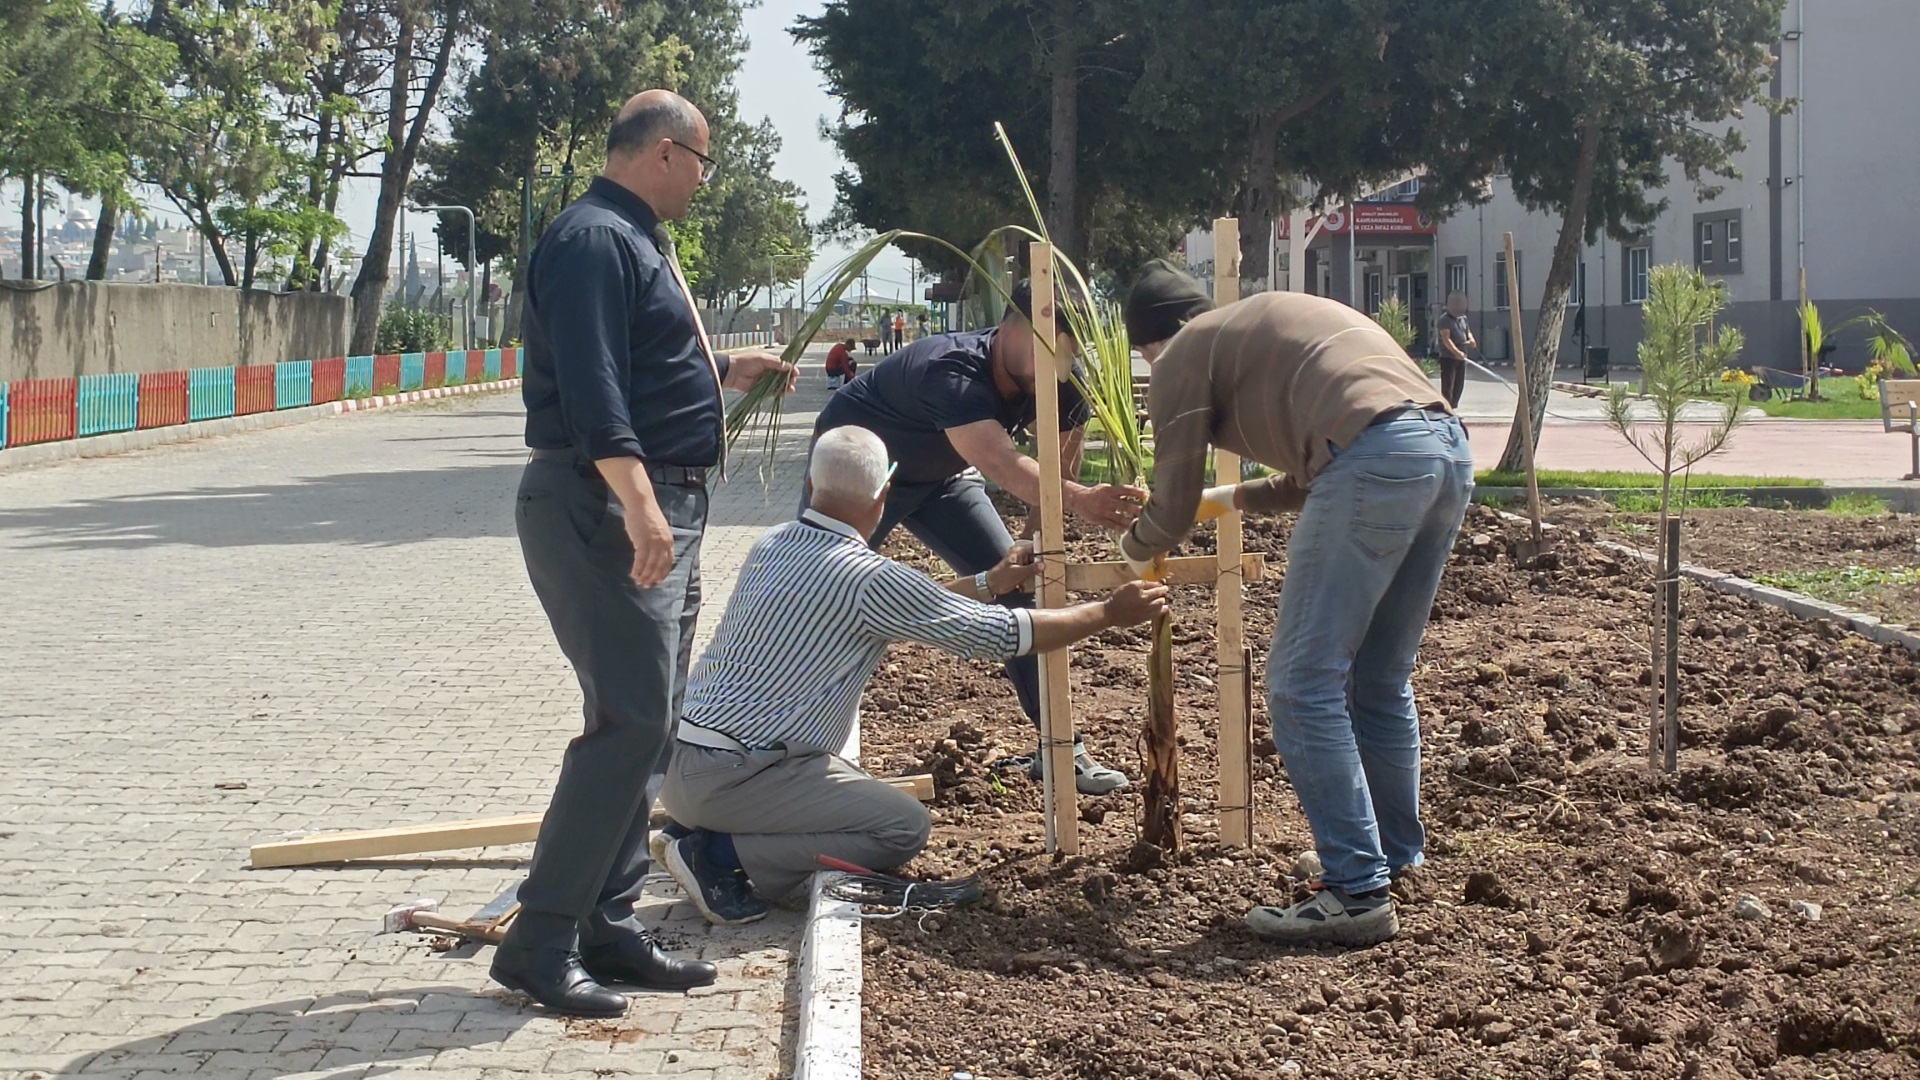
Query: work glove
(1148, 569)
(1216, 502)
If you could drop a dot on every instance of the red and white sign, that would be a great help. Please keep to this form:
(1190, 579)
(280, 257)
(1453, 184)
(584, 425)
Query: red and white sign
(1368, 219)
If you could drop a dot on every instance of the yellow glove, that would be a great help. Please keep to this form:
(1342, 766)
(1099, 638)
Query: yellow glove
(1149, 569)
(1216, 502)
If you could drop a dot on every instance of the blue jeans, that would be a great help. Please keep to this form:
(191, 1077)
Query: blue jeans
(1363, 564)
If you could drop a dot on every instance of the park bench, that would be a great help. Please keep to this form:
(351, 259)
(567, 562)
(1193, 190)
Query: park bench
(1900, 412)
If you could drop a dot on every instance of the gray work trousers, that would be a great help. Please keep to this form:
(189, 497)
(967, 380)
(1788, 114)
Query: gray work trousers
(630, 648)
(786, 805)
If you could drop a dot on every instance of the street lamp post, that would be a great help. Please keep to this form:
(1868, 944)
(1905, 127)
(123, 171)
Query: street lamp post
(473, 259)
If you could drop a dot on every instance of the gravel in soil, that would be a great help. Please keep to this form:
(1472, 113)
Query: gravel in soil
(1813, 549)
(1578, 915)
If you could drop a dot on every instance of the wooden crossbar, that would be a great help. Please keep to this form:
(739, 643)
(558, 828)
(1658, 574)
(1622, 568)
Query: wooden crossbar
(336, 847)
(1185, 570)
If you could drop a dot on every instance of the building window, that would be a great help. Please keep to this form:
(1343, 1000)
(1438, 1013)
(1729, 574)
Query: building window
(1500, 279)
(1456, 277)
(1577, 288)
(1370, 287)
(1634, 267)
(1716, 242)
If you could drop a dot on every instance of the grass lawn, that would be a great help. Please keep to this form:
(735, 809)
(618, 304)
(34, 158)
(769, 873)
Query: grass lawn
(1565, 478)
(1841, 405)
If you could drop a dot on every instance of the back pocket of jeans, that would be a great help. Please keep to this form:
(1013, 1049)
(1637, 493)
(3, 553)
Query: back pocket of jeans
(1388, 510)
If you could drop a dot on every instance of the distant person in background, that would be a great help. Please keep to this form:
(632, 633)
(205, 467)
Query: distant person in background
(921, 329)
(840, 366)
(1456, 337)
(899, 329)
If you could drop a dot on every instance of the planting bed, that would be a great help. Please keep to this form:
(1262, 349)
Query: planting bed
(1577, 916)
(1870, 563)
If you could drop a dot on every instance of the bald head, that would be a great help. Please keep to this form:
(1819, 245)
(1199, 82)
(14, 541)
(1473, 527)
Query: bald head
(657, 148)
(653, 115)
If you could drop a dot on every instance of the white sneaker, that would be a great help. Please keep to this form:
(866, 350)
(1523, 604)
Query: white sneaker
(1328, 917)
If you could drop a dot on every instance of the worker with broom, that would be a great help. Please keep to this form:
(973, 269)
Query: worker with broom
(757, 784)
(1378, 468)
(946, 407)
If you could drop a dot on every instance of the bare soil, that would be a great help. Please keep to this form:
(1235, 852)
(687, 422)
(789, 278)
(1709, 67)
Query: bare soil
(1751, 541)
(1576, 916)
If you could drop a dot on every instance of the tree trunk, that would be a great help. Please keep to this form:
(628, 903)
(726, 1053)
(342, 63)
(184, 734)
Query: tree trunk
(249, 258)
(403, 140)
(1161, 802)
(1259, 198)
(1545, 354)
(103, 236)
(26, 228)
(217, 245)
(1063, 171)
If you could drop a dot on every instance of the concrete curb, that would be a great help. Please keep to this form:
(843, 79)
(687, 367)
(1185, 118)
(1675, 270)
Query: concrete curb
(1799, 605)
(1899, 495)
(827, 1040)
(121, 442)
(827, 1034)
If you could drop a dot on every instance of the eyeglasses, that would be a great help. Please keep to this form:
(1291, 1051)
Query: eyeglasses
(887, 479)
(708, 166)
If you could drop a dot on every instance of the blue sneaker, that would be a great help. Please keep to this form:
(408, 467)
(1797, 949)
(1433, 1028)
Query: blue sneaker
(722, 895)
(661, 837)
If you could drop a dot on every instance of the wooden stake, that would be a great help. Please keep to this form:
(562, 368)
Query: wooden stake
(1056, 692)
(1521, 381)
(1236, 732)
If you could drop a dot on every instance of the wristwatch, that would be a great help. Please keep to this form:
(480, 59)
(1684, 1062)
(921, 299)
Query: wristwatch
(981, 588)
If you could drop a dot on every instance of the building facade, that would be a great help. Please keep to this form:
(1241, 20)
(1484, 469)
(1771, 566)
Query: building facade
(1824, 186)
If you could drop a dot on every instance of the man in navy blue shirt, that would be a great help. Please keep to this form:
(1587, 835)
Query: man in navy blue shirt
(624, 415)
(947, 407)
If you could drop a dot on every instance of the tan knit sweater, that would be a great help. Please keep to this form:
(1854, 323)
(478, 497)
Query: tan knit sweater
(1275, 378)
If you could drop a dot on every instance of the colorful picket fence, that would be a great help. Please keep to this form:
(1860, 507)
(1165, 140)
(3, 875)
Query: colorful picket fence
(386, 373)
(209, 393)
(106, 403)
(329, 380)
(41, 410)
(292, 384)
(163, 399)
(49, 410)
(358, 377)
(253, 388)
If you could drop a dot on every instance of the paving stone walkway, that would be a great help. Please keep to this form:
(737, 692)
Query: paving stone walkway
(213, 644)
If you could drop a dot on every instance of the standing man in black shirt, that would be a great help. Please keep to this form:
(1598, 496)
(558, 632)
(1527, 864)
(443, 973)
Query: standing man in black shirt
(624, 416)
(946, 406)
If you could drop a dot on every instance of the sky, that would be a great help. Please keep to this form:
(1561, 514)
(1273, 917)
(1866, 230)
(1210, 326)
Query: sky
(778, 81)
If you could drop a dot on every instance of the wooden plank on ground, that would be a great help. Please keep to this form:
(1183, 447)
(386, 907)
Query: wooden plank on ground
(1185, 570)
(336, 847)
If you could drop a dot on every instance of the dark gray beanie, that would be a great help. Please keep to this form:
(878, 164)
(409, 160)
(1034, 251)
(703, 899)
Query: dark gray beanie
(1161, 300)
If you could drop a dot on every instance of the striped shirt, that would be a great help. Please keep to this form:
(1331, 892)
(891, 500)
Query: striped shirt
(808, 622)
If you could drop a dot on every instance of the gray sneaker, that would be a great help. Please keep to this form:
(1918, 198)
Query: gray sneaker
(1329, 917)
(1089, 776)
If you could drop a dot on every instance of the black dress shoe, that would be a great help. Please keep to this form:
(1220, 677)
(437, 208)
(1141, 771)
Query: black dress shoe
(556, 979)
(638, 960)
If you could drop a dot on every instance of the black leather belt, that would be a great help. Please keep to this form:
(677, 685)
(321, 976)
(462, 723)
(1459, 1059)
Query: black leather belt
(676, 475)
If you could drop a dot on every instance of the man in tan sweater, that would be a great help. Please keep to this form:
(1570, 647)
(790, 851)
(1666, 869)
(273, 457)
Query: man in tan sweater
(1377, 465)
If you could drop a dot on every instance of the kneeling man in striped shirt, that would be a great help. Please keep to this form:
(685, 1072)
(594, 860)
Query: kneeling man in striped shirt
(756, 775)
